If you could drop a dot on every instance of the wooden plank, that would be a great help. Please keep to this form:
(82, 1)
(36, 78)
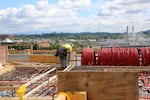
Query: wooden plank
(36, 65)
(114, 68)
(67, 68)
(60, 97)
(7, 68)
(77, 95)
(28, 98)
(44, 59)
(3, 55)
(8, 88)
(101, 85)
(7, 54)
(50, 51)
(12, 82)
(18, 54)
(18, 51)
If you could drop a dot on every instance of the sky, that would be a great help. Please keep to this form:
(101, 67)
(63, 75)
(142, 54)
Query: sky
(17, 16)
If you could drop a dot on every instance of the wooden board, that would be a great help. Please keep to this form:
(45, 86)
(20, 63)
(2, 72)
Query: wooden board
(77, 95)
(7, 68)
(72, 96)
(8, 87)
(31, 98)
(113, 68)
(60, 97)
(12, 82)
(44, 59)
(101, 85)
(3, 54)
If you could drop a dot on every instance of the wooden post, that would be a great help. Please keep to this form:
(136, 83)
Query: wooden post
(3, 55)
(7, 53)
(76, 58)
(31, 49)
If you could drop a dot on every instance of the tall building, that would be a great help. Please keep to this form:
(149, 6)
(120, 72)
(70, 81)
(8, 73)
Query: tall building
(131, 37)
(4, 36)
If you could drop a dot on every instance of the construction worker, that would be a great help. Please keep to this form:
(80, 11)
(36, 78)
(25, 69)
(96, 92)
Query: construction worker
(62, 52)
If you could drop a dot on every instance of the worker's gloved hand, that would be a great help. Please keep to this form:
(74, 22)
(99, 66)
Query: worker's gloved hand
(55, 55)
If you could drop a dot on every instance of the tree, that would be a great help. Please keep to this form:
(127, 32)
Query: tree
(54, 46)
(35, 46)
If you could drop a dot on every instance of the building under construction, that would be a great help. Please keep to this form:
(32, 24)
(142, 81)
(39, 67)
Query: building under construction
(115, 73)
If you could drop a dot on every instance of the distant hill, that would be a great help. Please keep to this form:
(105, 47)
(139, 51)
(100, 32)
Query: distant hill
(146, 32)
(83, 35)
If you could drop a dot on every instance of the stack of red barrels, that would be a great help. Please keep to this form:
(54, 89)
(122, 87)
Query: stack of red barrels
(116, 56)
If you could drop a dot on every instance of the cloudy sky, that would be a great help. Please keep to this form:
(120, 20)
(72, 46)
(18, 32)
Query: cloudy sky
(18, 16)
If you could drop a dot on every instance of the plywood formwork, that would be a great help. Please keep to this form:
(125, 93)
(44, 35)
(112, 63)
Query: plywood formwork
(29, 98)
(85, 79)
(44, 59)
(41, 56)
(113, 68)
(7, 68)
(3, 55)
(101, 85)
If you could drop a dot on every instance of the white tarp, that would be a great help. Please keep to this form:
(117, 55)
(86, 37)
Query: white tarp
(7, 41)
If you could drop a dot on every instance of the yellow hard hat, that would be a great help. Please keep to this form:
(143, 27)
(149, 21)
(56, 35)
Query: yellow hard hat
(68, 47)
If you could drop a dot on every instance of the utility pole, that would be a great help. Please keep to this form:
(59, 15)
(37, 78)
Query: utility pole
(127, 33)
(134, 35)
